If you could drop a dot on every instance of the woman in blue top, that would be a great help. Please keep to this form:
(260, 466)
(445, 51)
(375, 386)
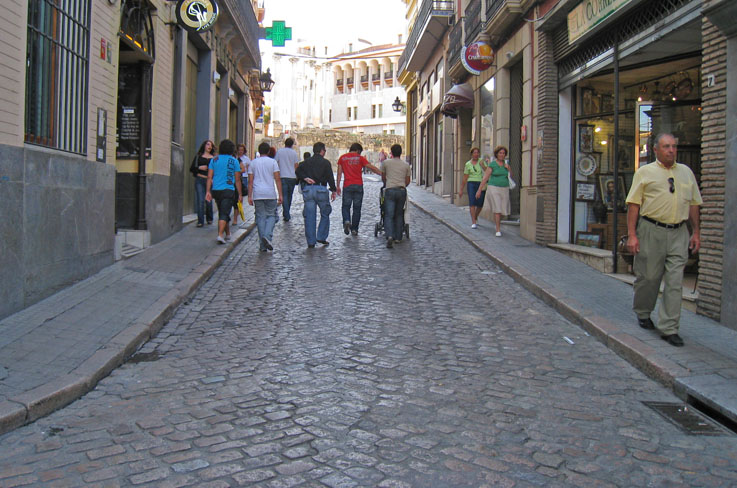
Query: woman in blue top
(223, 179)
(497, 175)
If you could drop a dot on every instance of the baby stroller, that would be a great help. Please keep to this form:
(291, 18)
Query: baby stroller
(379, 227)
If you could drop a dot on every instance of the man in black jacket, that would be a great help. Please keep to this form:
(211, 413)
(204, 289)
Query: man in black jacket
(313, 175)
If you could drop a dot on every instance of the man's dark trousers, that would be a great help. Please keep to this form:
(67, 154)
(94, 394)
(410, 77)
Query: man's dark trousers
(352, 195)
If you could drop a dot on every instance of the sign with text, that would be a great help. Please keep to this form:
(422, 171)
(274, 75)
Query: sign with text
(197, 15)
(477, 57)
(590, 13)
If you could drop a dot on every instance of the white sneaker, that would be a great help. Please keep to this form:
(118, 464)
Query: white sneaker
(498, 234)
(474, 226)
(221, 240)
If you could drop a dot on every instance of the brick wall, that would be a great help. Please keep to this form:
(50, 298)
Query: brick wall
(547, 125)
(713, 129)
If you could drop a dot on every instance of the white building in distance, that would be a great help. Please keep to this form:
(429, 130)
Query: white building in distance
(352, 91)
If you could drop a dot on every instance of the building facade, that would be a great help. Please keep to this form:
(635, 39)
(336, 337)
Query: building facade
(577, 91)
(103, 106)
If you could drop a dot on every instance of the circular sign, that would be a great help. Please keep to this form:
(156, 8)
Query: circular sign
(586, 165)
(197, 15)
(477, 57)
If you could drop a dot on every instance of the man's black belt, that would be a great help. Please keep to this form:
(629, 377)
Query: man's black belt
(660, 224)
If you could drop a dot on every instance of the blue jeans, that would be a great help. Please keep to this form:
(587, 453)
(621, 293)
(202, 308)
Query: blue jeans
(287, 189)
(352, 194)
(316, 196)
(265, 216)
(204, 208)
(394, 199)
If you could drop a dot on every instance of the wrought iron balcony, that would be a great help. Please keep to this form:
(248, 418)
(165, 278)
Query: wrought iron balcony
(375, 77)
(364, 78)
(472, 19)
(389, 75)
(429, 26)
(339, 82)
(503, 15)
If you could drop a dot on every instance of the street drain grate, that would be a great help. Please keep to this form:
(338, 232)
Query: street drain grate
(144, 357)
(687, 418)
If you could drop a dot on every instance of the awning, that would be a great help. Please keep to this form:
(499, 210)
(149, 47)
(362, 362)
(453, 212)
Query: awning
(458, 96)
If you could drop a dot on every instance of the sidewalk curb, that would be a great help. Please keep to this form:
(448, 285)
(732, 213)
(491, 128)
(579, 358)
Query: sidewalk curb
(61, 391)
(620, 341)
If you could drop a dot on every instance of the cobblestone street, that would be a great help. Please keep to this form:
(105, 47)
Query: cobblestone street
(356, 365)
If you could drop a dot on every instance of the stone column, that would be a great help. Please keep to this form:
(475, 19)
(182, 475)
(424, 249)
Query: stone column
(722, 13)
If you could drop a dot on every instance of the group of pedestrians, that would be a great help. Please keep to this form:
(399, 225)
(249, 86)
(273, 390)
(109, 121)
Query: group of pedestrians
(480, 176)
(269, 180)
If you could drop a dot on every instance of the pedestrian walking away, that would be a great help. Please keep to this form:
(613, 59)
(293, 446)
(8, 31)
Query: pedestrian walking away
(664, 196)
(199, 168)
(473, 173)
(245, 161)
(313, 176)
(395, 174)
(352, 165)
(288, 159)
(223, 181)
(265, 194)
(497, 175)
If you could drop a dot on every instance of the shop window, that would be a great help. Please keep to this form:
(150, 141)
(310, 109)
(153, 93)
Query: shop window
(487, 120)
(650, 103)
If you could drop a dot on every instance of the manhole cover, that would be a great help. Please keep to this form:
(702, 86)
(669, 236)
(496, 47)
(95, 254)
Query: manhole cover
(687, 418)
(144, 357)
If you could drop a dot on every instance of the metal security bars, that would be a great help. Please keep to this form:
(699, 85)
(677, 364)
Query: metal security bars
(57, 73)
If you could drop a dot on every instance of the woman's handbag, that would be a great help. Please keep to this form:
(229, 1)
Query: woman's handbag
(512, 184)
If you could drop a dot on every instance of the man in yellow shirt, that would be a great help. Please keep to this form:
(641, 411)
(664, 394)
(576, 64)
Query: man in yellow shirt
(664, 195)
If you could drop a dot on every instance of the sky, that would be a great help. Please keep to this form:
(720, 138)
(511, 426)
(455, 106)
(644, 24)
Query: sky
(337, 22)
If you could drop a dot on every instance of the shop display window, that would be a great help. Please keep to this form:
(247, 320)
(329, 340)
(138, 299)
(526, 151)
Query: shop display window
(487, 120)
(653, 99)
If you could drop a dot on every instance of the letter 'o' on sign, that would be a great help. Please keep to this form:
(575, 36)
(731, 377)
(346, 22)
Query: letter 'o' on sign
(197, 15)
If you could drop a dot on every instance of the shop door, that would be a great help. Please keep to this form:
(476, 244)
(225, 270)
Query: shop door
(423, 156)
(515, 127)
(190, 142)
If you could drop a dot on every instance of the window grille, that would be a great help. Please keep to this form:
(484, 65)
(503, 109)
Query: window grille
(635, 22)
(57, 73)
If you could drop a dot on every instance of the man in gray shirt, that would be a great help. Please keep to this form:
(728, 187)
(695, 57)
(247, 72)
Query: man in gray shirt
(287, 159)
(395, 174)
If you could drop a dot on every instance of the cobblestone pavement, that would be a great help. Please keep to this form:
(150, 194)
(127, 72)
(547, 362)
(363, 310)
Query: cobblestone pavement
(357, 365)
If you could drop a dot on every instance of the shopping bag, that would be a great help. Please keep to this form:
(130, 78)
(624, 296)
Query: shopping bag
(240, 211)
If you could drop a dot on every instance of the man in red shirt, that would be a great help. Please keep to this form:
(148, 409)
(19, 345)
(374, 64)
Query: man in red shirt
(351, 165)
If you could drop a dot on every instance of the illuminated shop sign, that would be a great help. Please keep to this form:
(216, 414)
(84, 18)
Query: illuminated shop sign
(197, 15)
(477, 57)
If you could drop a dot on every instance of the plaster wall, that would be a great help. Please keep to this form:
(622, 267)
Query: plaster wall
(13, 73)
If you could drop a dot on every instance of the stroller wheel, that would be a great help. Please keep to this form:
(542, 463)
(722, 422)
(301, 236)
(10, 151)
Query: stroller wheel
(406, 230)
(376, 230)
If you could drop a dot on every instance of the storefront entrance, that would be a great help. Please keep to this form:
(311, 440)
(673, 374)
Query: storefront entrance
(654, 99)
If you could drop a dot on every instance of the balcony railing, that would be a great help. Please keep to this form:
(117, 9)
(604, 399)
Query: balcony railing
(455, 43)
(339, 82)
(349, 81)
(428, 8)
(389, 75)
(364, 78)
(375, 77)
(492, 7)
(473, 21)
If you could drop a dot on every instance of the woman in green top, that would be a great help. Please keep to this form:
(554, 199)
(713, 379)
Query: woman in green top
(497, 175)
(472, 175)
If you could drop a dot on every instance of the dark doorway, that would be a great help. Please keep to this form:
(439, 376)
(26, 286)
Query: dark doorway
(515, 128)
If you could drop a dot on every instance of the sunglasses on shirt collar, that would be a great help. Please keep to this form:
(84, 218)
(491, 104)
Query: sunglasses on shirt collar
(671, 181)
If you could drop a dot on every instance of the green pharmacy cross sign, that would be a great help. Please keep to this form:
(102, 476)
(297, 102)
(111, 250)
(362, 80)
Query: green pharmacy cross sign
(278, 33)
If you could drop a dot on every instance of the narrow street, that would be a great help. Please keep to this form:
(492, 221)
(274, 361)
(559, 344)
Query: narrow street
(356, 365)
